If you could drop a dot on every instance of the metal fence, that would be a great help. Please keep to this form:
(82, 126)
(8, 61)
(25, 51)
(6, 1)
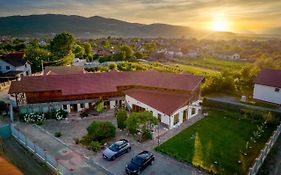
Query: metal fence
(42, 154)
(264, 152)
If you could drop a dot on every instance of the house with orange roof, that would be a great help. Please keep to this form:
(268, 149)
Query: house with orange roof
(172, 98)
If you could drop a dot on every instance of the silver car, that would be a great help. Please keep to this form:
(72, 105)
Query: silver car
(116, 149)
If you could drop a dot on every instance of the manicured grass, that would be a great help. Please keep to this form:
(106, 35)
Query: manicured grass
(217, 138)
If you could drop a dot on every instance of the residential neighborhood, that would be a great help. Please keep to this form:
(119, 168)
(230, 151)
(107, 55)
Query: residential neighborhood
(140, 93)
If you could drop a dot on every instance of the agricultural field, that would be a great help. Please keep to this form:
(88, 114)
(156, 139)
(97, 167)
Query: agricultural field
(216, 143)
(216, 64)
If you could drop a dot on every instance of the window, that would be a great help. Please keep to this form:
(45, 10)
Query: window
(159, 117)
(176, 119)
(82, 105)
(8, 68)
(64, 107)
(277, 90)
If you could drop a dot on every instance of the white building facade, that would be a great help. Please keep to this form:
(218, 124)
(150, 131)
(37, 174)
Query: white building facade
(267, 93)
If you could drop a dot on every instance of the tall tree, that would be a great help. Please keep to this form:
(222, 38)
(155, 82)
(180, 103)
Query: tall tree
(61, 48)
(88, 51)
(127, 50)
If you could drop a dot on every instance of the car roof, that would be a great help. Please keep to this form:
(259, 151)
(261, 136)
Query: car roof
(120, 142)
(144, 155)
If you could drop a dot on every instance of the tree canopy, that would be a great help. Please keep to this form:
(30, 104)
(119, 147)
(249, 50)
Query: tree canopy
(61, 48)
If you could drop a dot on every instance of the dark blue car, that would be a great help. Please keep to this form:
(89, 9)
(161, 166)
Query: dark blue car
(140, 162)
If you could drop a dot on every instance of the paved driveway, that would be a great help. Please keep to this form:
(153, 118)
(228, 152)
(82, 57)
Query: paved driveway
(162, 165)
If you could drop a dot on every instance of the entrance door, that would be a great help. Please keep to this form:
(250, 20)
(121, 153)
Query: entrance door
(73, 108)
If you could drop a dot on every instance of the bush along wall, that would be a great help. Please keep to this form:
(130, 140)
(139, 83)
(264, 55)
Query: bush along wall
(246, 113)
(39, 118)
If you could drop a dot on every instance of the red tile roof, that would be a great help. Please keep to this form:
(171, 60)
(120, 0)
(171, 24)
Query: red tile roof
(92, 83)
(269, 77)
(165, 102)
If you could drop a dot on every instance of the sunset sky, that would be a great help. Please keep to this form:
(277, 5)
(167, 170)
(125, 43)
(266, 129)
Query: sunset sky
(220, 15)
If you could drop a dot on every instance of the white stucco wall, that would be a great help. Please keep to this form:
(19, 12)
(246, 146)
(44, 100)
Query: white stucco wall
(164, 118)
(267, 93)
(3, 65)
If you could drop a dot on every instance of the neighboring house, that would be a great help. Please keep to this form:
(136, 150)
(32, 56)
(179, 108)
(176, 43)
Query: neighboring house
(193, 53)
(172, 98)
(267, 86)
(13, 66)
(63, 70)
(227, 56)
(79, 62)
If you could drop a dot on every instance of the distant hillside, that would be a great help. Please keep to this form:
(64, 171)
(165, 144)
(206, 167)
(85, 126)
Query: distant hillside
(273, 31)
(48, 25)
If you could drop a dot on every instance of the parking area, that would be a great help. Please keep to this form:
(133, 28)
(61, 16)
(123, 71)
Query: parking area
(162, 165)
(76, 128)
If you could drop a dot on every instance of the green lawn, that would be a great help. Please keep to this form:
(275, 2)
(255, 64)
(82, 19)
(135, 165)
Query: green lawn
(216, 138)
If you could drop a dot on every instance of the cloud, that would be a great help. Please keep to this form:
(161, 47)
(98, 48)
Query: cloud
(180, 12)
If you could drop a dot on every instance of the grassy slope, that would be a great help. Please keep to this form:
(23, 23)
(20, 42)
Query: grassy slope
(216, 138)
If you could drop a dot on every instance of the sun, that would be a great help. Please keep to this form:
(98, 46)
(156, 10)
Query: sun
(219, 23)
(219, 26)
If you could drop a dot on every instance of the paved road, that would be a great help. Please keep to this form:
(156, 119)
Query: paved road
(73, 163)
(163, 165)
(22, 158)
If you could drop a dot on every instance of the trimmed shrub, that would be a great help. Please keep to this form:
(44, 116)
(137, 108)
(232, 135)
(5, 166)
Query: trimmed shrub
(76, 140)
(58, 134)
(146, 135)
(60, 114)
(86, 140)
(101, 130)
(121, 118)
(37, 118)
(100, 106)
(95, 146)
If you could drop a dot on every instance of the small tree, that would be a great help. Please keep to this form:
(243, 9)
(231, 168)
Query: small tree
(140, 121)
(101, 130)
(121, 118)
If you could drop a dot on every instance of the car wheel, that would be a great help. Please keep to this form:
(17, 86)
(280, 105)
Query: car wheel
(151, 162)
(138, 172)
(113, 157)
(128, 150)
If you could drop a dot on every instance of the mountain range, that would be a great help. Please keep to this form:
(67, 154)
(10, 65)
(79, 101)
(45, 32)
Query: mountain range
(48, 25)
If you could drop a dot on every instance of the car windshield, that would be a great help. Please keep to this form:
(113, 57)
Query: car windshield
(136, 160)
(114, 147)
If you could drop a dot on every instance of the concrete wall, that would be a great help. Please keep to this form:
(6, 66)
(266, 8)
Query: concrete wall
(267, 93)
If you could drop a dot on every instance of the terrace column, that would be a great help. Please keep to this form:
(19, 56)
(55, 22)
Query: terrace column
(189, 112)
(68, 108)
(86, 105)
(181, 117)
(171, 122)
(112, 104)
(79, 107)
